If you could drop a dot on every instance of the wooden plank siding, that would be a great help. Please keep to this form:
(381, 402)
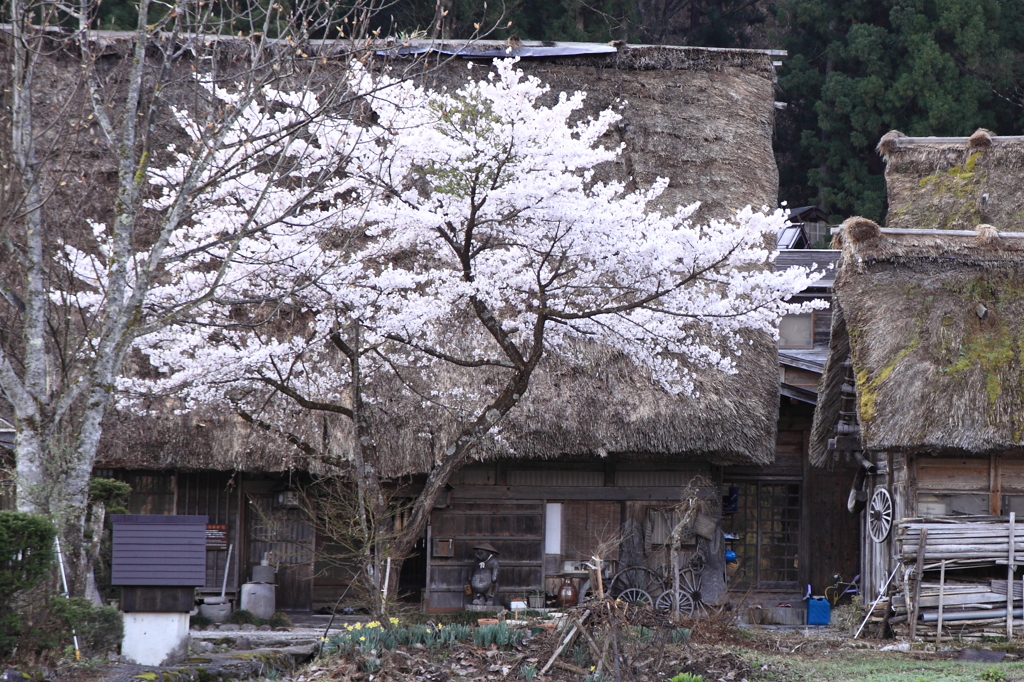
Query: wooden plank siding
(920, 483)
(600, 501)
(158, 550)
(516, 530)
(285, 537)
(215, 494)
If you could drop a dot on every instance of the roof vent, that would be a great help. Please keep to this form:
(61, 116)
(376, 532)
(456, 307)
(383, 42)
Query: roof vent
(980, 138)
(859, 229)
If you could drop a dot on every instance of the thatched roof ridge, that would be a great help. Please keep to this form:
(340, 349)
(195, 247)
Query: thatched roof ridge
(953, 182)
(935, 327)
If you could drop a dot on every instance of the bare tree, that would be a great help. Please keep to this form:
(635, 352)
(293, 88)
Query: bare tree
(88, 115)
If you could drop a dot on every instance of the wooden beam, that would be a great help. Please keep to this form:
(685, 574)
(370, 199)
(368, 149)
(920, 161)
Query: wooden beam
(918, 572)
(554, 493)
(995, 493)
(1010, 567)
(942, 590)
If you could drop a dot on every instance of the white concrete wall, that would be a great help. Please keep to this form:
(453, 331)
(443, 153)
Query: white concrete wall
(155, 638)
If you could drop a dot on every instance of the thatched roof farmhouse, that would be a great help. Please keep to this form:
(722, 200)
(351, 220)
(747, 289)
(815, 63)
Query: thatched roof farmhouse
(596, 448)
(924, 382)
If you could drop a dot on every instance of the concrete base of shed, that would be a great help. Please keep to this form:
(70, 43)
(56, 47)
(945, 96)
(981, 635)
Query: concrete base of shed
(155, 638)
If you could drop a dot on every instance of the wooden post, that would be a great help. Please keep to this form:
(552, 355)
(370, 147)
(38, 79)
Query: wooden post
(942, 593)
(1010, 567)
(569, 637)
(918, 572)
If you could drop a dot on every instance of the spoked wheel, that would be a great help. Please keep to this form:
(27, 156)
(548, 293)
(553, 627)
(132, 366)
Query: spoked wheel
(636, 596)
(691, 601)
(636, 580)
(689, 584)
(664, 603)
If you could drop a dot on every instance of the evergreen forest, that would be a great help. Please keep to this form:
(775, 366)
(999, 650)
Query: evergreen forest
(855, 68)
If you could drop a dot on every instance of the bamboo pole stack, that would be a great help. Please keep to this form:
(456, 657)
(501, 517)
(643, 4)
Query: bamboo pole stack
(958, 605)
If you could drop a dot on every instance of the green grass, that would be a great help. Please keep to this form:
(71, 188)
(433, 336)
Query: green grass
(864, 666)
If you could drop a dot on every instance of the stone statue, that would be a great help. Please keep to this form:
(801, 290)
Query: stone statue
(484, 579)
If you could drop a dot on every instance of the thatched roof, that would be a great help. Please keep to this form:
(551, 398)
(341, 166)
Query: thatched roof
(953, 183)
(702, 117)
(934, 324)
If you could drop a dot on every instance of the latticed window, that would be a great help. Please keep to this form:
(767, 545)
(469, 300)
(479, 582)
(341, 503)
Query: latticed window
(766, 526)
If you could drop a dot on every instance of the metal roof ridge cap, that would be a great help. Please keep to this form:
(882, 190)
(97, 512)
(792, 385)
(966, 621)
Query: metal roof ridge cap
(933, 233)
(907, 141)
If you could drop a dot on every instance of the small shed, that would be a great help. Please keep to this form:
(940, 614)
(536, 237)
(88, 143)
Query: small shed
(158, 561)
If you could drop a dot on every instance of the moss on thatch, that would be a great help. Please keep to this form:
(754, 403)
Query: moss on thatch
(953, 183)
(934, 325)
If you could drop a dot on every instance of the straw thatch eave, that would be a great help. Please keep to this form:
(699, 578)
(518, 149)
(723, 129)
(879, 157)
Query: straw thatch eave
(596, 405)
(826, 412)
(935, 328)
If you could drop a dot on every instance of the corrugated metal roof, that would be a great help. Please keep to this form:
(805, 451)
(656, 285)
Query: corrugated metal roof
(498, 51)
(820, 260)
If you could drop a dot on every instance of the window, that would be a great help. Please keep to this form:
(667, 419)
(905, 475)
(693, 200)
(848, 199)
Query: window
(796, 331)
(766, 532)
(951, 504)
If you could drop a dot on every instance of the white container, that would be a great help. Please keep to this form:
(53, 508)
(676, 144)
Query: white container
(218, 613)
(259, 599)
(263, 574)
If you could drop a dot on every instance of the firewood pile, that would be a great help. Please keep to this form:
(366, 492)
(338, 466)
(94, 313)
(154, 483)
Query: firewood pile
(957, 604)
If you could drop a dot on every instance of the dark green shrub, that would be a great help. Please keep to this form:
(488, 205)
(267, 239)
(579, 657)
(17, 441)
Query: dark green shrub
(46, 626)
(114, 496)
(112, 493)
(100, 628)
(199, 622)
(279, 620)
(26, 552)
(242, 617)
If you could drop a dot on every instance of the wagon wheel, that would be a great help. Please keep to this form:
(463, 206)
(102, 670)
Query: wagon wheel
(635, 596)
(690, 584)
(664, 603)
(636, 578)
(880, 515)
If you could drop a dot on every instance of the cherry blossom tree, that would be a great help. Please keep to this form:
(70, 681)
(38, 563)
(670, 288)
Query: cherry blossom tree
(461, 236)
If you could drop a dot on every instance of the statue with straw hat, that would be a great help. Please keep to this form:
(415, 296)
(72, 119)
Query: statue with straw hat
(484, 578)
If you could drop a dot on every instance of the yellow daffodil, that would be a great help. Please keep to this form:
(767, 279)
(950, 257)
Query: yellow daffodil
(394, 621)
(362, 639)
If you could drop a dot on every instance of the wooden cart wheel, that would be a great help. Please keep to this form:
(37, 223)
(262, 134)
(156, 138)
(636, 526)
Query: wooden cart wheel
(636, 577)
(635, 596)
(880, 515)
(664, 603)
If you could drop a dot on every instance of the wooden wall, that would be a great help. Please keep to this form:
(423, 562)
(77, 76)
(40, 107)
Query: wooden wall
(828, 535)
(216, 495)
(515, 529)
(505, 504)
(924, 484)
